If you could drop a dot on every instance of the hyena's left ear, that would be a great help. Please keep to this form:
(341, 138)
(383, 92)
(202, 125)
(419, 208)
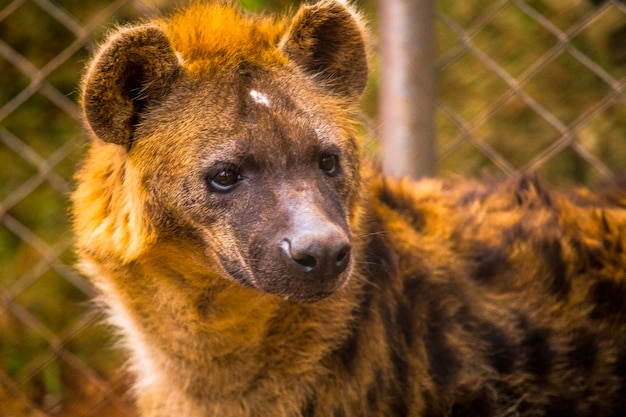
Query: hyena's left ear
(327, 40)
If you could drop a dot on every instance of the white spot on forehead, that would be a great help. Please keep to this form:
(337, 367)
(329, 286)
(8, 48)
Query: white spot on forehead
(260, 98)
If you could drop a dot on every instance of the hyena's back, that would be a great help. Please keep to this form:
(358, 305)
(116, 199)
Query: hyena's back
(513, 299)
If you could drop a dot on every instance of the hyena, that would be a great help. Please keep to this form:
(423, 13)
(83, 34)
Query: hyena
(256, 265)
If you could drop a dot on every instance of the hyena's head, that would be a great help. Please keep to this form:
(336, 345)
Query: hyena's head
(236, 133)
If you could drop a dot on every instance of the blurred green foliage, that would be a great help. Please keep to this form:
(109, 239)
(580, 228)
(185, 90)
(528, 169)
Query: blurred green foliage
(35, 285)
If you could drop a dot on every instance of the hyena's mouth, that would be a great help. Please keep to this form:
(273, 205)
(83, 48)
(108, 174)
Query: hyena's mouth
(312, 298)
(291, 280)
(237, 273)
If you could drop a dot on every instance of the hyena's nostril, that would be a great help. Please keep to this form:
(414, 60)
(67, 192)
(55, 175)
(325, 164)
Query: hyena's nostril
(307, 261)
(301, 255)
(343, 258)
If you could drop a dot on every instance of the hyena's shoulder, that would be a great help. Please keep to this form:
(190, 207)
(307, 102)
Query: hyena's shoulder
(510, 295)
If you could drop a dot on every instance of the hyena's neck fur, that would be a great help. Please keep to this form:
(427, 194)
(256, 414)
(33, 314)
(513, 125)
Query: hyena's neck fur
(208, 336)
(237, 351)
(230, 341)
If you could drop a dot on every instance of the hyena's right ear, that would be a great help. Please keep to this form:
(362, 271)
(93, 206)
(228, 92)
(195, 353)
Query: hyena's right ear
(135, 67)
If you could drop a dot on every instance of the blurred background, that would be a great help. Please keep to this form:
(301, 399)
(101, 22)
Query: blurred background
(516, 86)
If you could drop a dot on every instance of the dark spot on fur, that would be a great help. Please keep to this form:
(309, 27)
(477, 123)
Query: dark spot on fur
(403, 205)
(406, 322)
(608, 297)
(501, 352)
(443, 363)
(401, 369)
(401, 390)
(530, 190)
(348, 351)
(552, 253)
(583, 351)
(414, 288)
(372, 396)
(592, 258)
(339, 413)
(478, 404)
(514, 233)
(539, 353)
(620, 365)
(379, 261)
(561, 407)
(471, 196)
(406, 315)
(489, 262)
(203, 304)
(431, 406)
(388, 324)
(365, 301)
(309, 408)
(619, 370)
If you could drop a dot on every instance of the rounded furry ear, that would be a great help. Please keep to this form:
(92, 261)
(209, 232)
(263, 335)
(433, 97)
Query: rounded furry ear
(327, 40)
(135, 67)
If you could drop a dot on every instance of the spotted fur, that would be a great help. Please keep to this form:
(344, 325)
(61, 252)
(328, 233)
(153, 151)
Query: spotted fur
(216, 134)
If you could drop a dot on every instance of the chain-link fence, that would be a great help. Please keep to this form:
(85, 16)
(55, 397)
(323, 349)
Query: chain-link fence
(522, 86)
(54, 356)
(533, 86)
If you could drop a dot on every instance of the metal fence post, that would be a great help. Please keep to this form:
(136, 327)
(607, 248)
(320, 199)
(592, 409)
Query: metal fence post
(407, 96)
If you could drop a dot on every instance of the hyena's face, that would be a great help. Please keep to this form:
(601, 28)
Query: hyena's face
(259, 176)
(239, 130)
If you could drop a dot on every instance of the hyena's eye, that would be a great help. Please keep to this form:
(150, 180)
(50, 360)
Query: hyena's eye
(224, 179)
(329, 163)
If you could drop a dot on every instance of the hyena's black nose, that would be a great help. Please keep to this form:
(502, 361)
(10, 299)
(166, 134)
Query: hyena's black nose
(322, 252)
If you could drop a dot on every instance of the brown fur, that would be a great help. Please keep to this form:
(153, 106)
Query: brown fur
(223, 145)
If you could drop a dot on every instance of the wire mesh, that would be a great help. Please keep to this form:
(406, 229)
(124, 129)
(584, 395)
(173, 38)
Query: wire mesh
(522, 86)
(53, 354)
(554, 74)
